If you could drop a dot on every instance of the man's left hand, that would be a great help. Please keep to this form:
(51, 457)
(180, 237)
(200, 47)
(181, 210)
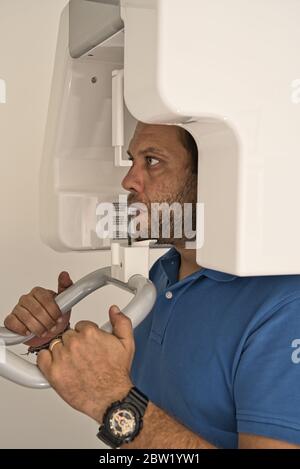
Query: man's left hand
(90, 368)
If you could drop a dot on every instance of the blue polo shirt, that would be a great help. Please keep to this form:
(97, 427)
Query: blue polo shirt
(221, 353)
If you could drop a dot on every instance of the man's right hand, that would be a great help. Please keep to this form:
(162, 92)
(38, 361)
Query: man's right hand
(38, 313)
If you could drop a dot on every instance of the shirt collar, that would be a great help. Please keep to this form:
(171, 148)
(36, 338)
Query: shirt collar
(170, 264)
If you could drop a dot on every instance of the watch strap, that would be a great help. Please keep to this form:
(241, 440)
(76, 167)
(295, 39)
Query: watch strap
(108, 438)
(138, 399)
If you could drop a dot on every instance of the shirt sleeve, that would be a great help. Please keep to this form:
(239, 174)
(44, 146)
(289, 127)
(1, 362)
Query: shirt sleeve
(267, 378)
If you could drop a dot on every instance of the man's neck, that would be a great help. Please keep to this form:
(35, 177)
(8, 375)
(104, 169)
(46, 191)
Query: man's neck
(188, 263)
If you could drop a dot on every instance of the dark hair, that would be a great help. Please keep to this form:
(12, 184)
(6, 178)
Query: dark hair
(190, 145)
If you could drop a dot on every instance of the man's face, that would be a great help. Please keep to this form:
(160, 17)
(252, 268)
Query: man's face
(161, 172)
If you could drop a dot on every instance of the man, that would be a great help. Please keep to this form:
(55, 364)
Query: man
(214, 357)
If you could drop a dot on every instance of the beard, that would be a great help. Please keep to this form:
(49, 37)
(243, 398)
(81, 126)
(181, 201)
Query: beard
(161, 222)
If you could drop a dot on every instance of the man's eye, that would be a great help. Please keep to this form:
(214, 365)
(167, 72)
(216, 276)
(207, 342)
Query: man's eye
(152, 159)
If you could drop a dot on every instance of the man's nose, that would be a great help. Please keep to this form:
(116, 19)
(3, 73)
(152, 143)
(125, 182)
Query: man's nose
(134, 180)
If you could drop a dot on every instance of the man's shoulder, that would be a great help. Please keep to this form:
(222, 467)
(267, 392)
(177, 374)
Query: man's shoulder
(263, 298)
(277, 286)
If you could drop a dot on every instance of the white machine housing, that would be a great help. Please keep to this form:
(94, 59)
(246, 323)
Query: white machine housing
(228, 72)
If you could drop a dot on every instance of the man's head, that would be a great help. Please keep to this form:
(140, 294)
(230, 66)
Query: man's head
(165, 163)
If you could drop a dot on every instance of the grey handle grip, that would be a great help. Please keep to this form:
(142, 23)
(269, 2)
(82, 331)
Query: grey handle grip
(20, 371)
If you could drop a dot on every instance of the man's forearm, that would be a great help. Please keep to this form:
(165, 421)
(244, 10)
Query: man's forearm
(160, 431)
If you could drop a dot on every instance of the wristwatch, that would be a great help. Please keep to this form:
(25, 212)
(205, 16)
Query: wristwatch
(123, 420)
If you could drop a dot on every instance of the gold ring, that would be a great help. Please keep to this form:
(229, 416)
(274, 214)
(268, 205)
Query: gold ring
(53, 343)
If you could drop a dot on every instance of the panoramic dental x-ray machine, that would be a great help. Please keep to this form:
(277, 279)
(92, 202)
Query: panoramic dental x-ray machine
(228, 73)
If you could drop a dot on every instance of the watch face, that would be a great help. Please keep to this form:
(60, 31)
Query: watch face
(122, 422)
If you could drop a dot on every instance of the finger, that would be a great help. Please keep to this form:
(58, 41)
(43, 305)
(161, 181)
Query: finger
(15, 325)
(62, 322)
(121, 326)
(64, 281)
(44, 362)
(55, 348)
(81, 325)
(46, 337)
(37, 310)
(68, 335)
(47, 301)
(32, 324)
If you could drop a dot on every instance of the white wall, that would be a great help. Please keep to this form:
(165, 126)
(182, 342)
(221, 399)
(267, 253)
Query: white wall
(28, 29)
